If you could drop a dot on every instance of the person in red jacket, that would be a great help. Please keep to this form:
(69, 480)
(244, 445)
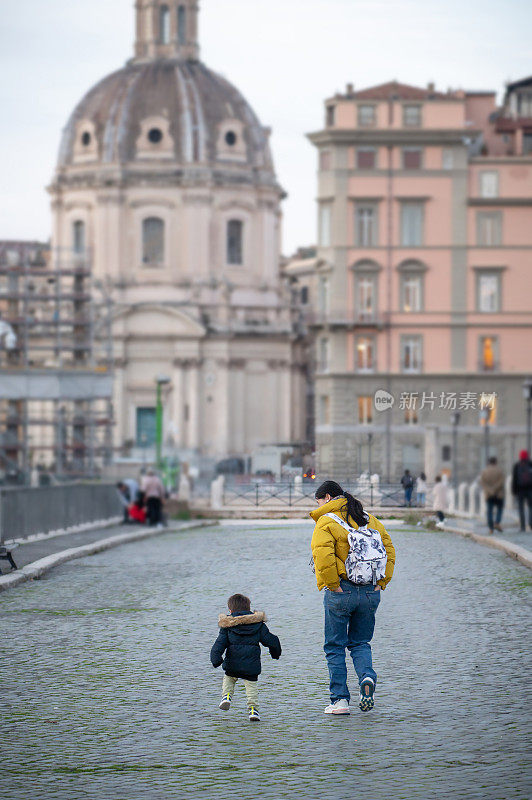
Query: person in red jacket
(137, 512)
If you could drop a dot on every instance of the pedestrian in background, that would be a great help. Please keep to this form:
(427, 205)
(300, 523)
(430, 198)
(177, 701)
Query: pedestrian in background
(439, 499)
(421, 490)
(522, 488)
(492, 482)
(154, 494)
(407, 482)
(125, 500)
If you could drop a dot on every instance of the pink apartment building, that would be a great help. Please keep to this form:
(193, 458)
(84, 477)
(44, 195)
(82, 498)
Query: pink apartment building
(423, 279)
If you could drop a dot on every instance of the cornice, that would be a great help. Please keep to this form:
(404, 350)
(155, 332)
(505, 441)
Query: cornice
(392, 136)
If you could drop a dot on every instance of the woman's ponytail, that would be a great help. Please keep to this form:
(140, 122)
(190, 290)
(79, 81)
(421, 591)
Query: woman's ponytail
(355, 510)
(353, 507)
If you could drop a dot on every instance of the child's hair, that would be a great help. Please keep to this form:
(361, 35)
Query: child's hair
(238, 602)
(438, 478)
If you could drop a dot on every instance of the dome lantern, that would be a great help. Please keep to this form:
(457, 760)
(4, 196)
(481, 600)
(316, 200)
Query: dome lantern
(167, 29)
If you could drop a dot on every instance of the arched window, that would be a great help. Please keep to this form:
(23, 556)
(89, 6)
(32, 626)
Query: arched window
(235, 229)
(164, 25)
(78, 237)
(182, 25)
(153, 242)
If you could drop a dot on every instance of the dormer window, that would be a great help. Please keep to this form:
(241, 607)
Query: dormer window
(230, 138)
(164, 25)
(155, 135)
(85, 139)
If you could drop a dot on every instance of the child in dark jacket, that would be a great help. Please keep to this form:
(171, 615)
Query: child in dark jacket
(241, 634)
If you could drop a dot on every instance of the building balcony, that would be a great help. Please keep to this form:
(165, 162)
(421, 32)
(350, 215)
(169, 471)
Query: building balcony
(345, 319)
(488, 368)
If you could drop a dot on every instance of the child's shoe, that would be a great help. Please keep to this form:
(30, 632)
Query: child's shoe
(367, 688)
(253, 714)
(225, 705)
(340, 707)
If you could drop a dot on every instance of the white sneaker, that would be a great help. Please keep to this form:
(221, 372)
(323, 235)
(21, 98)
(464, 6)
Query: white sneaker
(225, 703)
(340, 707)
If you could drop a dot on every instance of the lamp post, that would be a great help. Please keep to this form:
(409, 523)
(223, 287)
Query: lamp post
(485, 416)
(161, 380)
(370, 440)
(455, 419)
(527, 394)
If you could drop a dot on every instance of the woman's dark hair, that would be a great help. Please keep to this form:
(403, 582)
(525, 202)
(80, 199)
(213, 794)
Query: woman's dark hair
(423, 476)
(238, 603)
(353, 507)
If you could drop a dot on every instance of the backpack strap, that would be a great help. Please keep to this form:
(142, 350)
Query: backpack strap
(345, 525)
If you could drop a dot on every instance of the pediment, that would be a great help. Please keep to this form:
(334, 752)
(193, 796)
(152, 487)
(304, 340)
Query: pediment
(154, 320)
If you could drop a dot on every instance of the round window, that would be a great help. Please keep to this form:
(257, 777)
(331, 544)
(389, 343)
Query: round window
(155, 135)
(230, 138)
(85, 138)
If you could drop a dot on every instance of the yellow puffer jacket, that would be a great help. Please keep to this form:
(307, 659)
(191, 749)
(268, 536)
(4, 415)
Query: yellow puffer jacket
(330, 546)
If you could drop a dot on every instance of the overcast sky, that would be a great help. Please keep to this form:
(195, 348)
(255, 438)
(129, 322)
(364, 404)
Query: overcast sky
(286, 56)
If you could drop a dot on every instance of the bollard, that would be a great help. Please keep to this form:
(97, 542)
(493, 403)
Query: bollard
(451, 506)
(473, 499)
(462, 498)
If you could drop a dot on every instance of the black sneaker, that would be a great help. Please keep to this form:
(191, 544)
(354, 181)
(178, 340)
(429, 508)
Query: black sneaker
(367, 688)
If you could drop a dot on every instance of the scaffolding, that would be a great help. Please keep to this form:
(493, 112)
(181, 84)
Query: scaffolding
(55, 366)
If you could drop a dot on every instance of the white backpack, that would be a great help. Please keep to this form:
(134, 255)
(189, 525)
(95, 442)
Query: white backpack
(366, 561)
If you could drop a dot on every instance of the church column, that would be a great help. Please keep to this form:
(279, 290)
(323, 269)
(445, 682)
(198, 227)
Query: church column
(178, 401)
(194, 402)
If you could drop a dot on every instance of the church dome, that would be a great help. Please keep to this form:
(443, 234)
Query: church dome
(168, 109)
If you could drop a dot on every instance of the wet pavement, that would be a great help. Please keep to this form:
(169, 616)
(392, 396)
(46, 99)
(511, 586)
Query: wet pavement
(108, 692)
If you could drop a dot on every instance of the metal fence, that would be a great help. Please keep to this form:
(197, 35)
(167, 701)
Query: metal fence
(291, 494)
(25, 512)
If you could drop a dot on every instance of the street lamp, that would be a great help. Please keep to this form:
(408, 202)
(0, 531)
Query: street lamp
(527, 394)
(161, 380)
(370, 440)
(485, 415)
(455, 420)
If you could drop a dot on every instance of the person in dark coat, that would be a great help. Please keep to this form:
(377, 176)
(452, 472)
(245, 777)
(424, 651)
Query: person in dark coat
(522, 487)
(241, 634)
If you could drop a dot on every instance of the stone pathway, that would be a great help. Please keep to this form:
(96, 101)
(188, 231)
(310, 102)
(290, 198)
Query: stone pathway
(28, 552)
(108, 692)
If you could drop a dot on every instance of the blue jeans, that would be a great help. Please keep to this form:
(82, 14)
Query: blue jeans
(491, 503)
(349, 623)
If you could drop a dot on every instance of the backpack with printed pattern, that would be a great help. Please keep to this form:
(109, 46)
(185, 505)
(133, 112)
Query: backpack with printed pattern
(366, 560)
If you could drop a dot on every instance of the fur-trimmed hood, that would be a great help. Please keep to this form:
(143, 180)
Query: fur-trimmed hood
(226, 621)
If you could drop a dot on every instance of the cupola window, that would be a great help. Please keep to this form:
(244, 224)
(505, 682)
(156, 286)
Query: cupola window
(85, 139)
(164, 25)
(230, 138)
(155, 135)
(235, 230)
(153, 242)
(78, 237)
(182, 25)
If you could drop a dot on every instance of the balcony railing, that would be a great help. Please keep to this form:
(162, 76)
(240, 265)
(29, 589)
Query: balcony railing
(346, 319)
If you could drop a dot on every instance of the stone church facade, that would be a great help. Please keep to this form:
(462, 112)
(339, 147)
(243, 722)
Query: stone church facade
(165, 182)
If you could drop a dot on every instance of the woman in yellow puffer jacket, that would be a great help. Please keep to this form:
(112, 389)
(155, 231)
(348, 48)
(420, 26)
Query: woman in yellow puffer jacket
(349, 607)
